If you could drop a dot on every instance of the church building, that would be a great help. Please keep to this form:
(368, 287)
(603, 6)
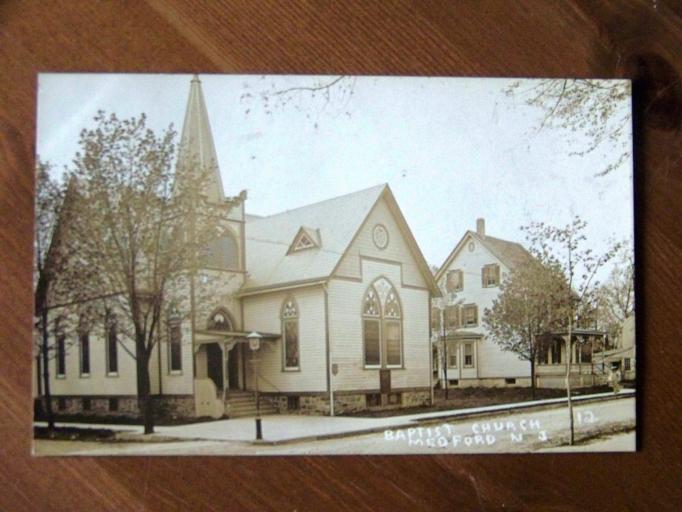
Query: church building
(322, 309)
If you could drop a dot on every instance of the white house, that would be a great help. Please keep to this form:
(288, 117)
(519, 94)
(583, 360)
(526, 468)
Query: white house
(469, 280)
(338, 292)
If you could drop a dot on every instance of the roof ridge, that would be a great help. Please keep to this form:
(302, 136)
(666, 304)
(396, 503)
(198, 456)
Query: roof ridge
(382, 185)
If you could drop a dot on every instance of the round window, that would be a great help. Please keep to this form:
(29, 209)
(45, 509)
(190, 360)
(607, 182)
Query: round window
(380, 236)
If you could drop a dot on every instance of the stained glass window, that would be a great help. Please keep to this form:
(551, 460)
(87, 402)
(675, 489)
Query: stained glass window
(290, 356)
(382, 329)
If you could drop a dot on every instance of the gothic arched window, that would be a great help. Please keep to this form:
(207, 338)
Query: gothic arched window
(222, 253)
(174, 340)
(84, 345)
(220, 321)
(382, 326)
(112, 343)
(290, 342)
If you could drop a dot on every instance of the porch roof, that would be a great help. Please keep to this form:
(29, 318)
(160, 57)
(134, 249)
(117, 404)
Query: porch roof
(212, 336)
(460, 336)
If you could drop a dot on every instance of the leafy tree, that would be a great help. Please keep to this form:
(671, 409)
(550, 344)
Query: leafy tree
(49, 198)
(528, 305)
(616, 297)
(597, 109)
(564, 248)
(143, 224)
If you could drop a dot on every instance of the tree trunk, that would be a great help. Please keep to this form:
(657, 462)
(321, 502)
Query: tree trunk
(144, 399)
(532, 377)
(569, 353)
(47, 396)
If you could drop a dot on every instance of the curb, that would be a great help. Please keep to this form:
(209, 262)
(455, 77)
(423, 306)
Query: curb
(440, 419)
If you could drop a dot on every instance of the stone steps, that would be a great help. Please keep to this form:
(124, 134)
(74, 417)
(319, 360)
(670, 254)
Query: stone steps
(242, 404)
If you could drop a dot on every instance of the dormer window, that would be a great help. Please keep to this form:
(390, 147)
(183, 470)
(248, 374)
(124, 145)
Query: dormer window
(303, 243)
(305, 239)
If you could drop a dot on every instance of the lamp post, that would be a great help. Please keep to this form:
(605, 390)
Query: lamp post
(254, 344)
(448, 299)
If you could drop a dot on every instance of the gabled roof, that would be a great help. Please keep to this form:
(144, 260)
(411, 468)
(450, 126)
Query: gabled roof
(337, 222)
(511, 254)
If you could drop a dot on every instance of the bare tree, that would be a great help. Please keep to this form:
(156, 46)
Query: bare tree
(529, 304)
(597, 109)
(325, 95)
(143, 226)
(564, 248)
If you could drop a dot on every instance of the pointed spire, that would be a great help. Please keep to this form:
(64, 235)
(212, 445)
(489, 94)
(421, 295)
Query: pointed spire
(196, 143)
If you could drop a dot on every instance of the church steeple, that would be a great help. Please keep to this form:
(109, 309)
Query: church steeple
(196, 144)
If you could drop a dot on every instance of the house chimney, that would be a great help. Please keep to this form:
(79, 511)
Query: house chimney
(480, 227)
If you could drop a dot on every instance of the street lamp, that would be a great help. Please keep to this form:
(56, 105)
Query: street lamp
(254, 344)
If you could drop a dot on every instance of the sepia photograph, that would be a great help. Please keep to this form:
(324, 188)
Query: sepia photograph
(332, 265)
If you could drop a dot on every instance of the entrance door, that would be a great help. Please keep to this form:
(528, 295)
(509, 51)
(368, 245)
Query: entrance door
(214, 364)
(233, 367)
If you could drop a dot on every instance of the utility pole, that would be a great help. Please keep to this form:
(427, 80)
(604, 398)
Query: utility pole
(445, 352)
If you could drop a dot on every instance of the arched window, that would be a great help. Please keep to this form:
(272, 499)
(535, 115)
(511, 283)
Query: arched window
(174, 341)
(222, 253)
(84, 345)
(382, 326)
(290, 346)
(220, 321)
(60, 359)
(112, 343)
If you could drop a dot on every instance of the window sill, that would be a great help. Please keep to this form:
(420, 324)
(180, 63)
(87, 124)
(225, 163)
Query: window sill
(84, 375)
(174, 373)
(112, 374)
(292, 369)
(60, 376)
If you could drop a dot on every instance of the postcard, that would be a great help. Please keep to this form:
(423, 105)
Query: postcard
(273, 265)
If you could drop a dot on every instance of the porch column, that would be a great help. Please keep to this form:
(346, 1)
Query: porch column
(225, 369)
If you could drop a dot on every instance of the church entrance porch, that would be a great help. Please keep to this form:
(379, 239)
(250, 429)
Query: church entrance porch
(222, 363)
(219, 370)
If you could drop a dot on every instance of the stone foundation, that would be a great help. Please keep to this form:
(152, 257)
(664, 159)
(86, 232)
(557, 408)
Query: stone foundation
(181, 406)
(346, 402)
(490, 382)
(311, 404)
(177, 406)
(416, 398)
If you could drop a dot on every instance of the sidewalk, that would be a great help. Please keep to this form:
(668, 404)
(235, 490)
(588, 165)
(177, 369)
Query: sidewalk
(287, 428)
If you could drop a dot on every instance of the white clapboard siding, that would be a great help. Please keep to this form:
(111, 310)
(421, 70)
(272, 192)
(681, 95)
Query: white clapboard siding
(176, 383)
(491, 361)
(263, 313)
(345, 304)
(98, 382)
(397, 249)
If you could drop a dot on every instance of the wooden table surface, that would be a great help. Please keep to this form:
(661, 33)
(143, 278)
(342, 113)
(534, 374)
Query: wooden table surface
(635, 38)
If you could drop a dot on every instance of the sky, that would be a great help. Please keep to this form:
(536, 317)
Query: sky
(451, 149)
